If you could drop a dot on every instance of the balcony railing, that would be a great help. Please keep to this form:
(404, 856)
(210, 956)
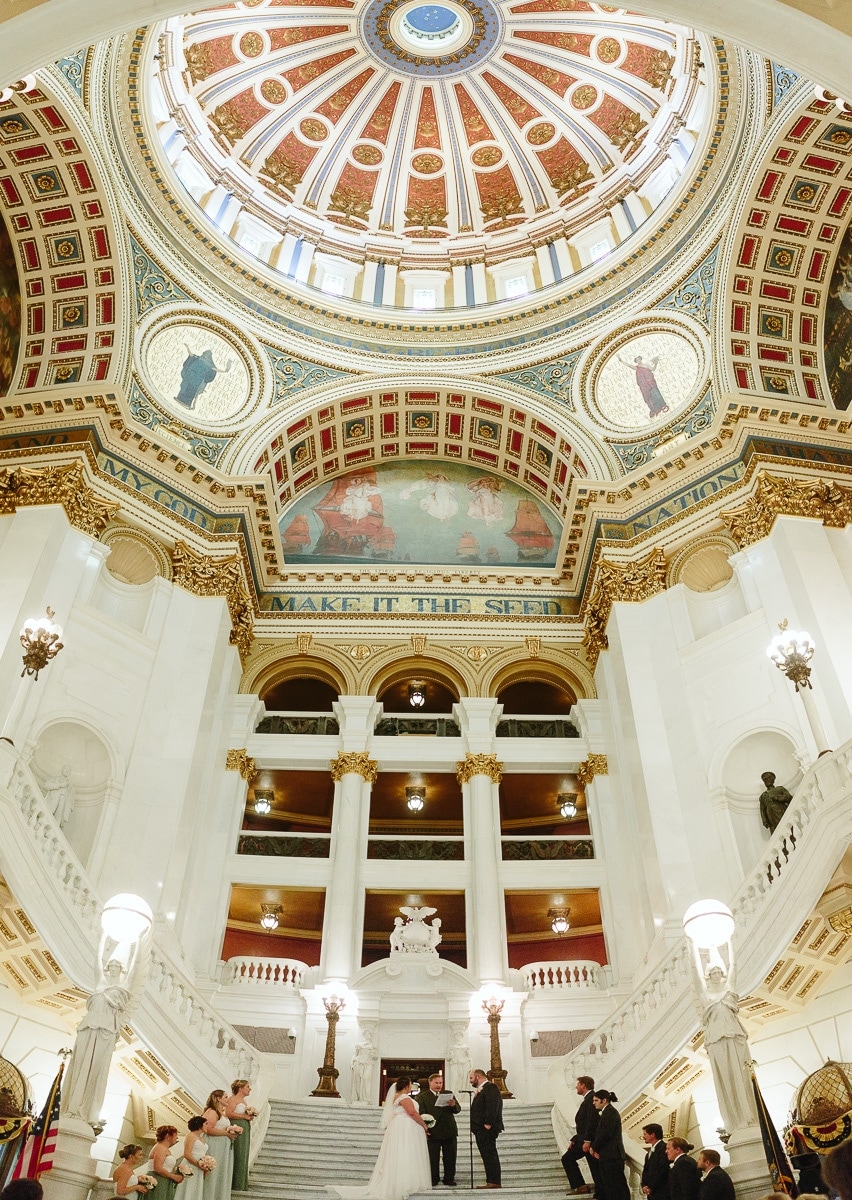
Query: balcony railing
(285, 845)
(298, 723)
(448, 849)
(420, 726)
(544, 977)
(536, 727)
(520, 849)
(257, 971)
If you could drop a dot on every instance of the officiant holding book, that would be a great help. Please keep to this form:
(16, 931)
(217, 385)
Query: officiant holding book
(443, 1135)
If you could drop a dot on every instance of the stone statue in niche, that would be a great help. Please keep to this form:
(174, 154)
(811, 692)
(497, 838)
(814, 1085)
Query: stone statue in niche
(59, 795)
(414, 936)
(773, 802)
(458, 1063)
(725, 1037)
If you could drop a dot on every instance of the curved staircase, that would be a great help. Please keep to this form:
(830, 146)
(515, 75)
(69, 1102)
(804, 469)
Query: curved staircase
(632, 1046)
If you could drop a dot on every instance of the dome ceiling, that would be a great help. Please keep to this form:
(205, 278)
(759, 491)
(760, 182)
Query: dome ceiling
(430, 123)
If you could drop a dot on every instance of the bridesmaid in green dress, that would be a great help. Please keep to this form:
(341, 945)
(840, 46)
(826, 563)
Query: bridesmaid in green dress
(242, 1114)
(164, 1163)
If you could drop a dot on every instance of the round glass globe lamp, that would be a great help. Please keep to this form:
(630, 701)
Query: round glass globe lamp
(708, 923)
(126, 917)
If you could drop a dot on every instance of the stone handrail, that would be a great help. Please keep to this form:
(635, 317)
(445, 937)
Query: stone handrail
(632, 1045)
(541, 978)
(173, 1019)
(265, 972)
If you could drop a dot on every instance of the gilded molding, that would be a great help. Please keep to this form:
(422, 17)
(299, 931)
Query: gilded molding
(354, 763)
(479, 764)
(65, 485)
(206, 576)
(777, 496)
(595, 764)
(239, 760)
(614, 582)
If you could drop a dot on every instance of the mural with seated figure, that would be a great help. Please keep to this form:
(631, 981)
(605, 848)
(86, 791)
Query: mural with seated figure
(415, 512)
(10, 311)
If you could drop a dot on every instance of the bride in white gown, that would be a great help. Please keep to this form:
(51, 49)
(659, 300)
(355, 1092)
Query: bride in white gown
(403, 1163)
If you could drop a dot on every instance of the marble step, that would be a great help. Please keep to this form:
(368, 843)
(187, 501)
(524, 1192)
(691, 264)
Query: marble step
(283, 1191)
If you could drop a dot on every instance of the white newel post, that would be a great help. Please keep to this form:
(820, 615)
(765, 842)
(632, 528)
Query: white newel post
(480, 774)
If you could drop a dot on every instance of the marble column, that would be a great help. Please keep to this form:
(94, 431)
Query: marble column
(353, 773)
(479, 776)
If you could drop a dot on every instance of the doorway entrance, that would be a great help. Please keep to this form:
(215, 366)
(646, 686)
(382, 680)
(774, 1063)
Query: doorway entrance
(417, 1069)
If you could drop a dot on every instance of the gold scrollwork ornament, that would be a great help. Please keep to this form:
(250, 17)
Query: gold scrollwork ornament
(614, 582)
(354, 763)
(239, 760)
(23, 487)
(777, 495)
(206, 576)
(595, 764)
(479, 764)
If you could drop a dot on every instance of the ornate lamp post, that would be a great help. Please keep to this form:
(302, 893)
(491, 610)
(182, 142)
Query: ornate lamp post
(493, 1008)
(792, 652)
(328, 1072)
(40, 638)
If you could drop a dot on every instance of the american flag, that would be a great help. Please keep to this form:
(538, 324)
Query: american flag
(37, 1154)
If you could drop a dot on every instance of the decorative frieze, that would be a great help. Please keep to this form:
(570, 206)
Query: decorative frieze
(614, 582)
(65, 485)
(479, 764)
(354, 763)
(776, 496)
(204, 575)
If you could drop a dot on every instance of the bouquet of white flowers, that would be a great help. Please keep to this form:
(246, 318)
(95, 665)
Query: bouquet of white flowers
(185, 1169)
(148, 1182)
(428, 1120)
(207, 1162)
(250, 1113)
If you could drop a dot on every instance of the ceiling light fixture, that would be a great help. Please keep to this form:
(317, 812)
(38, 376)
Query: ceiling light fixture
(567, 802)
(559, 922)
(415, 798)
(417, 693)
(263, 802)
(270, 914)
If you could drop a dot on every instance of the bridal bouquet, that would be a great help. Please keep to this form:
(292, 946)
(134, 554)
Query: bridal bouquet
(207, 1162)
(250, 1113)
(185, 1169)
(148, 1182)
(428, 1120)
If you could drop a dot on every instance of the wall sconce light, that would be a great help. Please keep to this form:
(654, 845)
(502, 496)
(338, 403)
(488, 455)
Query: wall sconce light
(415, 798)
(40, 640)
(567, 802)
(292, 1033)
(270, 914)
(417, 693)
(559, 922)
(263, 802)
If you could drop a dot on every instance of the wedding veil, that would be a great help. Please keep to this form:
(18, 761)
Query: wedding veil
(387, 1107)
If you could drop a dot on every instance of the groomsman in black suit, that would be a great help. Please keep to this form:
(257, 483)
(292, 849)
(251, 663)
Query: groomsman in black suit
(655, 1173)
(486, 1121)
(585, 1128)
(716, 1184)
(443, 1136)
(684, 1176)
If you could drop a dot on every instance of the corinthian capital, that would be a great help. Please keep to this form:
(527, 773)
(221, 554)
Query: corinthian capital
(479, 764)
(354, 763)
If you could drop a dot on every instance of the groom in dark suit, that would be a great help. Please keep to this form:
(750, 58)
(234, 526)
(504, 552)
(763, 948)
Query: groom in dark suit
(443, 1136)
(486, 1121)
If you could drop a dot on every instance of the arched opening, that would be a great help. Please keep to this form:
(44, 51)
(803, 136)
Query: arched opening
(300, 694)
(536, 697)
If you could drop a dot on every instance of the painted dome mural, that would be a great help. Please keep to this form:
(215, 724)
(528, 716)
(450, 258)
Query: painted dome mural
(429, 125)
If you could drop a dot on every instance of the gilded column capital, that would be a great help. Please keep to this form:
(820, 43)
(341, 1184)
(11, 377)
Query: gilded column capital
(65, 484)
(614, 582)
(479, 764)
(777, 496)
(595, 764)
(239, 760)
(204, 575)
(354, 763)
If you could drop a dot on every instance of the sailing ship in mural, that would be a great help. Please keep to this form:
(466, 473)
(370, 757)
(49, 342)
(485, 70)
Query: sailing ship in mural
(408, 512)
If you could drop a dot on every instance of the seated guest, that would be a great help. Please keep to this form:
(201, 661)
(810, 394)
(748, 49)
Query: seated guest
(716, 1184)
